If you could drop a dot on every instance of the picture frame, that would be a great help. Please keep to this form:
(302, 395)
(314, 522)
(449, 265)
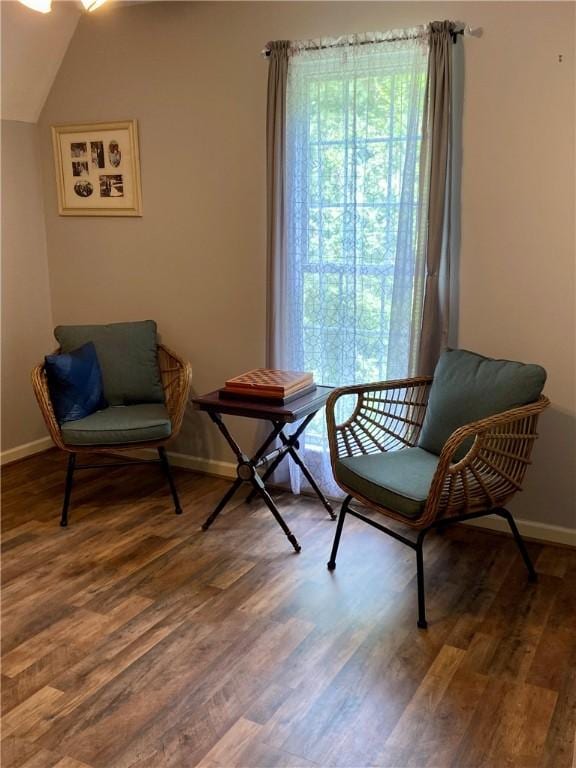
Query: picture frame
(97, 169)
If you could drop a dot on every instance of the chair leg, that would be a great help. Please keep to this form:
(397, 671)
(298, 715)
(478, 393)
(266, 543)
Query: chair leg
(166, 468)
(422, 623)
(339, 526)
(532, 575)
(68, 489)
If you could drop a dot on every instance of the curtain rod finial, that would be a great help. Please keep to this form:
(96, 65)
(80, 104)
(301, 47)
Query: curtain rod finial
(473, 31)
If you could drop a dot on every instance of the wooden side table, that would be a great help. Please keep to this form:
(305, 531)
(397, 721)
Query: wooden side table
(305, 408)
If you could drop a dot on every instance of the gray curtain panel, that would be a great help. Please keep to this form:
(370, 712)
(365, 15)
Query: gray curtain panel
(436, 157)
(436, 191)
(275, 186)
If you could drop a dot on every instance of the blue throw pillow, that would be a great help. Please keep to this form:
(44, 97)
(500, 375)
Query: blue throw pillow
(75, 383)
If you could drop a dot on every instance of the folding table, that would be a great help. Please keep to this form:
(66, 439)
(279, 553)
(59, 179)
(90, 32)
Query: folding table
(303, 408)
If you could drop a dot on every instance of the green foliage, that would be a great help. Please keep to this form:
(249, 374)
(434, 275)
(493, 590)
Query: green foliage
(358, 156)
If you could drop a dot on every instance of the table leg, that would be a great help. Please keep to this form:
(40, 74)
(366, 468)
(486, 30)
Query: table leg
(222, 503)
(217, 419)
(291, 444)
(246, 470)
(309, 476)
(293, 439)
(269, 501)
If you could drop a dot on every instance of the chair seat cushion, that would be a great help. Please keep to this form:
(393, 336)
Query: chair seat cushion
(468, 387)
(397, 480)
(128, 356)
(118, 425)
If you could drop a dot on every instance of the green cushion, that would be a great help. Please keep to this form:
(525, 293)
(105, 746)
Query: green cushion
(119, 424)
(128, 357)
(398, 480)
(468, 387)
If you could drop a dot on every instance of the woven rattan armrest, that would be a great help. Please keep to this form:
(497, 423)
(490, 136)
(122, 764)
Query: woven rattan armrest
(388, 415)
(42, 394)
(176, 376)
(493, 468)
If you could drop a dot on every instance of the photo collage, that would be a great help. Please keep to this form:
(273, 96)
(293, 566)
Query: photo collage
(95, 166)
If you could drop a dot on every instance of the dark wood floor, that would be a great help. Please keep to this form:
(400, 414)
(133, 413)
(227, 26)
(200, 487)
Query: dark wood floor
(133, 640)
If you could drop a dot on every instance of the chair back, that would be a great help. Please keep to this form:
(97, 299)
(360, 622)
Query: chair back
(128, 357)
(468, 387)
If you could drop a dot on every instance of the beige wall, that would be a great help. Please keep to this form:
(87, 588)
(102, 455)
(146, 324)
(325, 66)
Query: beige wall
(26, 312)
(33, 46)
(192, 76)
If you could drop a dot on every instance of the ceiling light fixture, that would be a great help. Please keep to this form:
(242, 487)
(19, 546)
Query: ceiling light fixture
(45, 6)
(42, 6)
(91, 5)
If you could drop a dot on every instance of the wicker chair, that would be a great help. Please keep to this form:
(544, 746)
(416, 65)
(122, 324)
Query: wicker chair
(176, 377)
(388, 416)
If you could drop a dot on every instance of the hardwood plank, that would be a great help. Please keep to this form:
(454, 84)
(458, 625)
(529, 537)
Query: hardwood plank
(14, 751)
(82, 627)
(69, 762)
(228, 749)
(31, 710)
(522, 726)
(559, 748)
(265, 706)
(40, 673)
(222, 693)
(135, 640)
(41, 759)
(411, 727)
(259, 754)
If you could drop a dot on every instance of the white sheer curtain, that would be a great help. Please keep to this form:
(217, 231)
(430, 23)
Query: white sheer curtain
(353, 274)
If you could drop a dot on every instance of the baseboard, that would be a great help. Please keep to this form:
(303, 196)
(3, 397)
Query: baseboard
(22, 451)
(552, 534)
(206, 466)
(195, 463)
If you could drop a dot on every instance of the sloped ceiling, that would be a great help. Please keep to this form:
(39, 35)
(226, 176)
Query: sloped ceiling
(33, 46)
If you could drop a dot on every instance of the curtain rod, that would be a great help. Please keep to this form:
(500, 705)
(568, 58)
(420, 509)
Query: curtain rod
(461, 29)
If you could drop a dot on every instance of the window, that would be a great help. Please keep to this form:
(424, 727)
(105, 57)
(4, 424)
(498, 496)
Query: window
(355, 268)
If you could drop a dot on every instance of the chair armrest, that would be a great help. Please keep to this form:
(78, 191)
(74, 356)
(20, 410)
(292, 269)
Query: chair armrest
(493, 468)
(388, 416)
(42, 394)
(176, 375)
